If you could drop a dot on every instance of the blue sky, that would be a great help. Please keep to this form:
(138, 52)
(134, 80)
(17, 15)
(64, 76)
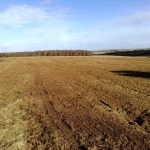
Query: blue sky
(74, 24)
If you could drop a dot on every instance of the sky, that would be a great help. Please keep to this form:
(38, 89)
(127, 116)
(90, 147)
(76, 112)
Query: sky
(27, 25)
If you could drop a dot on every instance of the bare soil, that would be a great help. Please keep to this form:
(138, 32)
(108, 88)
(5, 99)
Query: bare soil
(71, 103)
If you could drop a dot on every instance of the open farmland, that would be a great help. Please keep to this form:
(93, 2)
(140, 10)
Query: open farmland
(94, 103)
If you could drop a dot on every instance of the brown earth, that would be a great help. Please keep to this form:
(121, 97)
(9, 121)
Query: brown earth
(71, 103)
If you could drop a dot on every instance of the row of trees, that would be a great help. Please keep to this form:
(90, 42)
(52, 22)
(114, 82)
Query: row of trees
(48, 53)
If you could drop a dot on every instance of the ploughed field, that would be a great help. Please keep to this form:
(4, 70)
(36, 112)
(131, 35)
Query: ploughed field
(71, 103)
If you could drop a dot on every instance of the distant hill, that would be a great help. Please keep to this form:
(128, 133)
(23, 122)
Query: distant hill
(113, 52)
(125, 52)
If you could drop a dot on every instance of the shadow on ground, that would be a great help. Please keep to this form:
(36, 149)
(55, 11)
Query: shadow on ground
(133, 73)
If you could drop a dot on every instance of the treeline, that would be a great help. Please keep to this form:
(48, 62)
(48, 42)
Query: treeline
(129, 53)
(48, 53)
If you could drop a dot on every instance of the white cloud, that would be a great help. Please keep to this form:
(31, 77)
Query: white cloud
(137, 18)
(4, 47)
(47, 1)
(35, 27)
(21, 15)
